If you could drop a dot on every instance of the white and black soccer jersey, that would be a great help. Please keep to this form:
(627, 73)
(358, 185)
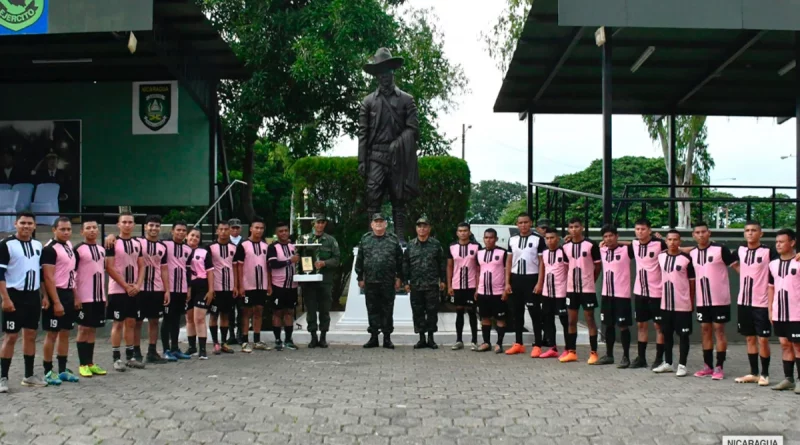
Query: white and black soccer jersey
(19, 261)
(525, 251)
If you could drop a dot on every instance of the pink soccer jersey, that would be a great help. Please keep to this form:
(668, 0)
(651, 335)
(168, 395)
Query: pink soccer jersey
(222, 259)
(126, 254)
(201, 264)
(711, 267)
(61, 256)
(754, 275)
(676, 275)
(492, 274)
(154, 254)
(90, 268)
(555, 273)
(178, 257)
(648, 271)
(616, 271)
(581, 258)
(253, 258)
(465, 265)
(280, 265)
(784, 276)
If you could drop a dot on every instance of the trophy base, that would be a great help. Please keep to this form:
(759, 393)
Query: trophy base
(308, 278)
(307, 245)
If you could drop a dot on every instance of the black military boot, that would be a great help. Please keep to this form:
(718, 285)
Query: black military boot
(314, 342)
(421, 343)
(373, 342)
(432, 344)
(387, 341)
(323, 343)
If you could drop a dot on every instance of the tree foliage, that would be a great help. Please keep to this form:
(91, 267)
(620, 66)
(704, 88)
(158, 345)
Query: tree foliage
(490, 198)
(502, 40)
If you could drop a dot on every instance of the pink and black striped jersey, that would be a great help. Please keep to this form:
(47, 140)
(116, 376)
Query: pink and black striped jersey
(280, 265)
(253, 258)
(581, 258)
(465, 265)
(90, 268)
(754, 275)
(555, 273)
(711, 268)
(492, 275)
(178, 259)
(617, 271)
(676, 275)
(785, 277)
(201, 264)
(222, 259)
(61, 256)
(126, 254)
(648, 271)
(154, 254)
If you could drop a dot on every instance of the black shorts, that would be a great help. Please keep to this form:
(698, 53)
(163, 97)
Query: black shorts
(492, 306)
(254, 298)
(67, 321)
(524, 284)
(713, 314)
(199, 291)
(788, 329)
(754, 321)
(177, 304)
(647, 309)
(463, 298)
(122, 306)
(552, 307)
(284, 298)
(576, 300)
(616, 311)
(151, 304)
(678, 322)
(222, 302)
(92, 315)
(27, 307)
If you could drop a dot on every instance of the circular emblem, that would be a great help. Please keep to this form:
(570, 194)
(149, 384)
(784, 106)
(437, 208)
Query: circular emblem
(652, 254)
(472, 252)
(710, 259)
(17, 15)
(794, 271)
(497, 258)
(618, 257)
(530, 244)
(678, 268)
(758, 260)
(583, 254)
(560, 260)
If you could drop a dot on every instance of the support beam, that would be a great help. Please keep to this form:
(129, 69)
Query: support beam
(673, 168)
(797, 130)
(782, 120)
(213, 145)
(570, 44)
(748, 40)
(530, 164)
(607, 140)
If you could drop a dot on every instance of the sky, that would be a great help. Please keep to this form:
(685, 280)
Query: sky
(496, 145)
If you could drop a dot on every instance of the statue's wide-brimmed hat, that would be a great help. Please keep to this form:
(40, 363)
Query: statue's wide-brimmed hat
(382, 62)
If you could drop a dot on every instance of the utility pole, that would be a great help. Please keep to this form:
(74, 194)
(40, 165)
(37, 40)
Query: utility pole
(464, 128)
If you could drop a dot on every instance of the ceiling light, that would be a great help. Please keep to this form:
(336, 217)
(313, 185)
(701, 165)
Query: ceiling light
(643, 58)
(600, 36)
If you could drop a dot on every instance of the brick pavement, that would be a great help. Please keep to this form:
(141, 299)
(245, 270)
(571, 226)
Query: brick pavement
(347, 395)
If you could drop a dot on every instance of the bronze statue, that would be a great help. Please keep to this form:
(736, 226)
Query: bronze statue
(388, 131)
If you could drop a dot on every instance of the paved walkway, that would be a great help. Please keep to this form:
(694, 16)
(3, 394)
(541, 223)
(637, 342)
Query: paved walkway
(347, 395)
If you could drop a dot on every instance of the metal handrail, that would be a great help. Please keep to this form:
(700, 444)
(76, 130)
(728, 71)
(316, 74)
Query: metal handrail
(222, 195)
(563, 190)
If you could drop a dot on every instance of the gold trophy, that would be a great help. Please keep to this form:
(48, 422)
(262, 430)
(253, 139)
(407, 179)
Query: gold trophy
(307, 261)
(307, 245)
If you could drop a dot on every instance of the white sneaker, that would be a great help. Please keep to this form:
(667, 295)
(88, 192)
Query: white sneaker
(662, 368)
(473, 347)
(119, 365)
(4, 384)
(681, 371)
(763, 380)
(458, 346)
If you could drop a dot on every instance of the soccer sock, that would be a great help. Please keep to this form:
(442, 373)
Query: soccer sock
(797, 362)
(5, 363)
(660, 351)
(137, 351)
(501, 332)
(202, 345)
(223, 331)
(611, 337)
(173, 336)
(256, 337)
(89, 353)
(214, 334)
(192, 341)
(708, 357)
(564, 329)
(459, 325)
(666, 348)
(487, 334)
(626, 342)
(288, 330)
(80, 345)
(642, 347)
(592, 341)
(129, 352)
(48, 366)
(765, 366)
(518, 334)
(753, 358)
(115, 355)
(276, 331)
(151, 349)
(29, 365)
(721, 358)
(473, 325)
(684, 349)
(165, 335)
(788, 369)
(62, 363)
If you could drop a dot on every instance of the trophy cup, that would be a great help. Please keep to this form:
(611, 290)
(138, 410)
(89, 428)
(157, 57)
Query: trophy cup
(306, 245)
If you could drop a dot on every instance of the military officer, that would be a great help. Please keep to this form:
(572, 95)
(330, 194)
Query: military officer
(425, 271)
(317, 295)
(379, 270)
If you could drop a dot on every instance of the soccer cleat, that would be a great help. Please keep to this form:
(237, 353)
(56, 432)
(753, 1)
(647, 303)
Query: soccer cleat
(536, 352)
(550, 353)
(784, 385)
(288, 344)
(498, 349)
(261, 346)
(84, 371)
(516, 348)
(605, 360)
(625, 363)
(563, 354)
(473, 346)
(797, 389)
(136, 364)
(68, 376)
(226, 349)
(571, 356)
(681, 372)
(718, 374)
(119, 366)
(593, 358)
(35, 381)
(192, 352)
(51, 379)
(639, 362)
(706, 371)
(96, 370)
(168, 356)
(247, 348)
(458, 346)
(279, 344)
(155, 359)
(3, 384)
(484, 347)
(202, 356)
(181, 356)
(749, 378)
(763, 380)
(656, 364)
(663, 367)
(217, 349)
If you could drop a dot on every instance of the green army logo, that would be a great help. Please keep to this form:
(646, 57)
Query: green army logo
(20, 14)
(155, 104)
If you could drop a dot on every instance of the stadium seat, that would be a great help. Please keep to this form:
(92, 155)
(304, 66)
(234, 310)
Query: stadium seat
(8, 204)
(46, 201)
(25, 195)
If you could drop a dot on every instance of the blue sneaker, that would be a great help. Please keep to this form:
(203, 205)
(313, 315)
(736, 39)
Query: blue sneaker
(180, 355)
(170, 358)
(51, 378)
(68, 376)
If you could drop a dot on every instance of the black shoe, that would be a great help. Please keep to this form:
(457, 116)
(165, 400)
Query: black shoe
(232, 341)
(625, 363)
(191, 351)
(322, 341)
(314, 342)
(156, 359)
(638, 362)
(432, 344)
(421, 345)
(387, 342)
(605, 360)
(372, 343)
(656, 364)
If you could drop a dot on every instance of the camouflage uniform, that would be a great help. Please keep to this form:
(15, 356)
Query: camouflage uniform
(378, 263)
(317, 296)
(424, 267)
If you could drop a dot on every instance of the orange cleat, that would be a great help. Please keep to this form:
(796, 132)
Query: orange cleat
(516, 348)
(571, 356)
(550, 353)
(536, 352)
(593, 358)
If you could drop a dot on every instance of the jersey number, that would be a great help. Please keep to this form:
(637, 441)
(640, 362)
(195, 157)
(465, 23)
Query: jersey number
(246, 300)
(567, 301)
(602, 317)
(116, 315)
(53, 323)
(80, 315)
(166, 310)
(699, 316)
(10, 325)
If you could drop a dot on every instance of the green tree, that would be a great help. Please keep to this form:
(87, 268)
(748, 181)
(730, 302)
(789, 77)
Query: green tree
(509, 215)
(502, 40)
(306, 84)
(489, 198)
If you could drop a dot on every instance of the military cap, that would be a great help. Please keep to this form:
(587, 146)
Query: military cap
(423, 220)
(378, 217)
(320, 217)
(235, 222)
(544, 223)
